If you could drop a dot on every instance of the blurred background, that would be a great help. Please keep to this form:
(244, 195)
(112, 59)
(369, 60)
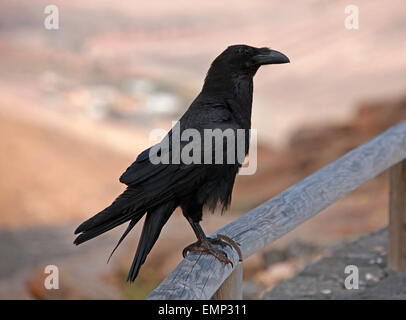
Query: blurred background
(77, 105)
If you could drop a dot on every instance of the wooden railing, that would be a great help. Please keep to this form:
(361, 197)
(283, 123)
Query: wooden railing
(201, 276)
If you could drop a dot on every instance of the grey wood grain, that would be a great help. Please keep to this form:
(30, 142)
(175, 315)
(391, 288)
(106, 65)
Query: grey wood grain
(199, 276)
(397, 218)
(231, 288)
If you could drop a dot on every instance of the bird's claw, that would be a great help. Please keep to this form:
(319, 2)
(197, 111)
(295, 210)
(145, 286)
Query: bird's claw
(223, 238)
(219, 241)
(192, 247)
(199, 246)
(220, 255)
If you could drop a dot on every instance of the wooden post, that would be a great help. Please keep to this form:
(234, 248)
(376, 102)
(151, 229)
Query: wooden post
(231, 288)
(397, 217)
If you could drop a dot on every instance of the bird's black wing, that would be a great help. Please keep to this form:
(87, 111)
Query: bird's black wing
(165, 180)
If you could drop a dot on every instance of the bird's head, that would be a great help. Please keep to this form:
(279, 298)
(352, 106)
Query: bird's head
(246, 60)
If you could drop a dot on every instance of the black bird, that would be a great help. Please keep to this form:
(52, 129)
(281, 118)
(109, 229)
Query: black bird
(157, 189)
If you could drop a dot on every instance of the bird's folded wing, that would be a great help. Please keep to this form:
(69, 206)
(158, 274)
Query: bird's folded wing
(145, 172)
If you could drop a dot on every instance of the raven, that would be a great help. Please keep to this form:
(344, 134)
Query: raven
(158, 188)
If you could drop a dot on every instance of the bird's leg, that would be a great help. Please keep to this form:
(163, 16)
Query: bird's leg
(205, 244)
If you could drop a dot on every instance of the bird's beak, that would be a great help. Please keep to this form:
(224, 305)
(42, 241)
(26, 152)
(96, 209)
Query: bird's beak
(270, 57)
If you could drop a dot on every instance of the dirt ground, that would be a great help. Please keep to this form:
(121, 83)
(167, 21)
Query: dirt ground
(325, 280)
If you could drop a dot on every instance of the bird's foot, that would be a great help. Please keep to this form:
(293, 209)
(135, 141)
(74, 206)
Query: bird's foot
(208, 247)
(230, 242)
(219, 242)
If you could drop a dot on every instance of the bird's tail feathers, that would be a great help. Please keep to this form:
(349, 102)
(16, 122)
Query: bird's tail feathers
(153, 224)
(131, 225)
(127, 206)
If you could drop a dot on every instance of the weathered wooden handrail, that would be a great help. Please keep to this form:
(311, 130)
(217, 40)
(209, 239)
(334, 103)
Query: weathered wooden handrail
(199, 276)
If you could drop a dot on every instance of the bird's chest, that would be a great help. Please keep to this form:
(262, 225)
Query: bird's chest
(242, 102)
(243, 91)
